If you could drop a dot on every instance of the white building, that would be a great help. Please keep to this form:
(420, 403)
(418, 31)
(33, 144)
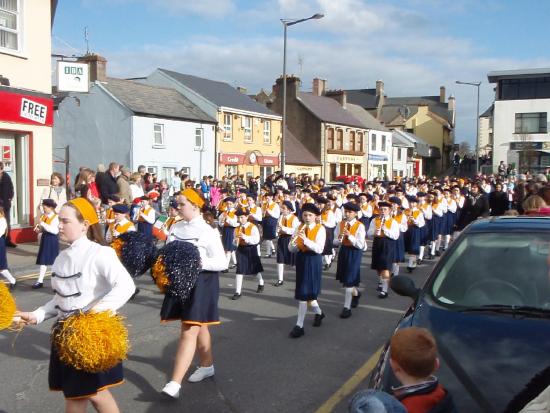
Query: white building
(380, 154)
(520, 119)
(400, 156)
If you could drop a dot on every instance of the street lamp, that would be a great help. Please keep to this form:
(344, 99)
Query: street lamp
(476, 84)
(286, 23)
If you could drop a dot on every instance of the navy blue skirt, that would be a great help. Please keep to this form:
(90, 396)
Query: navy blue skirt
(202, 306)
(284, 256)
(48, 250)
(329, 241)
(426, 232)
(438, 225)
(348, 271)
(3, 257)
(413, 239)
(383, 253)
(269, 226)
(450, 223)
(400, 248)
(228, 235)
(365, 221)
(248, 260)
(145, 228)
(309, 267)
(77, 384)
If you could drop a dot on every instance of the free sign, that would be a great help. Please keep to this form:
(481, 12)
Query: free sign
(33, 111)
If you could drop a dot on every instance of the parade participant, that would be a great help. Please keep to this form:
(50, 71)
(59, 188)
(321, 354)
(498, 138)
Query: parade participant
(3, 257)
(385, 231)
(228, 221)
(450, 217)
(365, 214)
(308, 243)
(121, 223)
(146, 217)
(286, 227)
(242, 201)
(426, 230)
(247, 237)
(295, 203)
(439, 208)
(202, 310)
(306, 197)
(255, 215)
(88, 278)
(401, 219)
(48, 251)
(399, 193)
(269, 222)
(329, 222)
(413, 236)
(350, 235)
(338, 215)
(173, 217)
(459, 199)
(109, 214)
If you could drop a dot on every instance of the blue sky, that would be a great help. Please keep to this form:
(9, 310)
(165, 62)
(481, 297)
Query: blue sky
(414, 46)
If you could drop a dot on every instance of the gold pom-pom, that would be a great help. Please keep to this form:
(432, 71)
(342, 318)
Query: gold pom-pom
(92, 342)
(158, 272)
(117, 245)
(7, 307)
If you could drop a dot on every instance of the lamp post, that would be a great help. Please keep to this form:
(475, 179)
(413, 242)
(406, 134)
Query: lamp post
(476, 84)
(286, 23)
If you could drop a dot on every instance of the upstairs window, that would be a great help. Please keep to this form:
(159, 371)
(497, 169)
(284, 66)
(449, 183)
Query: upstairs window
(535, 122)
(247, 126)
(352, 141)
(10, 31)
(227, 128)
(199, 139)
(267, 131)
(359, 143)
(383, 143)
(373, 142)
(158, 134)
(340, 139)
(330, 138)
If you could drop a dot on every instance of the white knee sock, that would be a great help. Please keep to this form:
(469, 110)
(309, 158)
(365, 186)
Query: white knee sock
(238, 283)
(438, 244)
(234, 257)
(271, 247)
(315, 307)
(347, 298)
(228, 257)
(395, 268)
(302, 310)
(43, 269)
(280, 271)
(260, 279)
(327, 259)
(421, 252)
(259, 250)
(412, 261)
(433, 248)
(8, 276)
(447, 241)
(385, 285)
(268, 245)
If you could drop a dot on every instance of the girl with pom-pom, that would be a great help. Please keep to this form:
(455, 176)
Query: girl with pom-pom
(86, 277)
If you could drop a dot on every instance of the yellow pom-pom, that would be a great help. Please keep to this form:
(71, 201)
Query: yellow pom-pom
(93, 342)
(7, 307)
(117, 246)
(158, 271)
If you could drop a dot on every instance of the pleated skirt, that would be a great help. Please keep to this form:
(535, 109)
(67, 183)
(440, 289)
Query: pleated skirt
(248, 260)
(309, 268)
(348, 271)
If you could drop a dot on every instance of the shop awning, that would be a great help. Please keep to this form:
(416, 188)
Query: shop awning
(380, 158)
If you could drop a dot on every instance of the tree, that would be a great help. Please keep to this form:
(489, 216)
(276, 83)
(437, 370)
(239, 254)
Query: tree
(464, 148)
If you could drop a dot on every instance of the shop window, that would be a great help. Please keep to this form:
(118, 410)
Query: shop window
(230, 170)
(15, 156)
(333, 173)
(357, 169)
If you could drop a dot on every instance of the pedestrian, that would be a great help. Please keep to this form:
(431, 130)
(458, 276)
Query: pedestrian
(123, 184)
(308, 243)
(55, 191)
(89, 277)
(48, 228)
(202, 310)
(3, 256)
(108, 185)
(350, 235)
(136, 188)
(286, 227)
(498, 200)
(6, 196)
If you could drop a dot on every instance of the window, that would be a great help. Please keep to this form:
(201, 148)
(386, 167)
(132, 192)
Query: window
(9, 25)
(359, 143)
(152, 170)
(267, 131)
(230, 170)
(531, 122)
(247, 126)
(199, 139)
(330, 138)
(399, 154)
(383, 143)
(339, 139)
(373, 142)
(352, 141)
(532, 88)
(158, 134)
(333, 172)
(227, 129)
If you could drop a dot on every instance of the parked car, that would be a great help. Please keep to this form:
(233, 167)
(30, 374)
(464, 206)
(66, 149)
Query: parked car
(487, 302)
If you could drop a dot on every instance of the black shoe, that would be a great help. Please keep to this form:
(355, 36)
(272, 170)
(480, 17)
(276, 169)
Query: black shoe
(297, 332)
(225, 271)
(318, 319)
(431, 257)
(232, 266)
(236, 296)
(278, 283)
(12, 286)
(382, 294)
(438, 253)
(379, 287)
(419, 262)
(260, 289)
(267, 256)
(326, 267)
(355, 300)
(346, 313)
(37, 285)
(410, 269)
(135, 293)
(11, 244)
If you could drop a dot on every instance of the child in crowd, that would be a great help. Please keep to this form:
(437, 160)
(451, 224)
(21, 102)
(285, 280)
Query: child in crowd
(49, 242)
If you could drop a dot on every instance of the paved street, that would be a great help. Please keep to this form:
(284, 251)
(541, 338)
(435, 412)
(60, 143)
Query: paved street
(258, 367)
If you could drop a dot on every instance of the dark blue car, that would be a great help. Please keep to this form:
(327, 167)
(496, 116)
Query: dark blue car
(487, 302)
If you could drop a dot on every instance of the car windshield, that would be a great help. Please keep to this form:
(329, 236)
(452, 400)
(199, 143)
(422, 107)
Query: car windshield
(496, 269)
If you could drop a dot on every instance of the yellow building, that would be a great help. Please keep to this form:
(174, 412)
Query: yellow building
(26, 106)
(248, 134)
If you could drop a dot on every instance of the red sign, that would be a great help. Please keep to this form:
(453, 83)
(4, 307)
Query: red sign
(231, 158)
(28, 109)
(6, 153)
(268, 160)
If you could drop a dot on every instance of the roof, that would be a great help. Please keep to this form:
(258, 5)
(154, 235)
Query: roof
(496, 75)
(439, 108)
(365, 98)
(155, 101)
(508, 224)
(297, 153)
(328, 110)
(489, 112)
(421, 147)
(365, 117)
(400, 140)
(220, 93)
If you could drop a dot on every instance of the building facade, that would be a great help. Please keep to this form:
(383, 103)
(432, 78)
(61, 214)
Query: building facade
(520, 119)
(26, 106)
(486, 132)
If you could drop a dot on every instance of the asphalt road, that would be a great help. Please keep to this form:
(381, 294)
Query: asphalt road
(258, 367)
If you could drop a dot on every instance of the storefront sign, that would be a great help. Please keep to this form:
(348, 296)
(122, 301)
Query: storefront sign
(380, 158)
(344, 158)
(231, 159)
(72, 77)
(529, 146)
(27, 109)
(268, 160)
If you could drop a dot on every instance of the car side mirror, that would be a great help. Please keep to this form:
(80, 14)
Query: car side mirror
(405, 286)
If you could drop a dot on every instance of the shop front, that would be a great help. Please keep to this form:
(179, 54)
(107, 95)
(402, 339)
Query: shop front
(26, 120)
(250, 164)
(344, 165)
(529, 156)
(378, 167)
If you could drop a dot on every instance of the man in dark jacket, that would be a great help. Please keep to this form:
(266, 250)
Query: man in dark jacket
(476, 205)
(108, 185)
(6, 195)
(498, 201)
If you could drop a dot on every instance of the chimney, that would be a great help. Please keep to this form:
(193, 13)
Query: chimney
(442, 94)
(319, 86)
(452, 103)
(98, 66)
(242, 90)
(339, 95)
(292, 87)
(379, 88)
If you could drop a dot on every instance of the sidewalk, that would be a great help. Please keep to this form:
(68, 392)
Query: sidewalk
(22, 260)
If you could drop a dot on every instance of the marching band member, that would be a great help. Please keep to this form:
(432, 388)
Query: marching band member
(329, 222)
(269, 222)
(121, 223)
(49, 241)
(173, 217)
(286, 227)
(255, 215)
(450, 217)
(413, 236)
(426, 209)
(146, 217)
(366, 209)
(228, 221)
(438, 210)
(401, 218)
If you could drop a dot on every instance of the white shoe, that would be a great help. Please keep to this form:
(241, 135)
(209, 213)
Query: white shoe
(172, 389)
(201, 373)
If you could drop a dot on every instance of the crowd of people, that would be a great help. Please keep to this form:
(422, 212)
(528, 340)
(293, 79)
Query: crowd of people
(306, 224)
